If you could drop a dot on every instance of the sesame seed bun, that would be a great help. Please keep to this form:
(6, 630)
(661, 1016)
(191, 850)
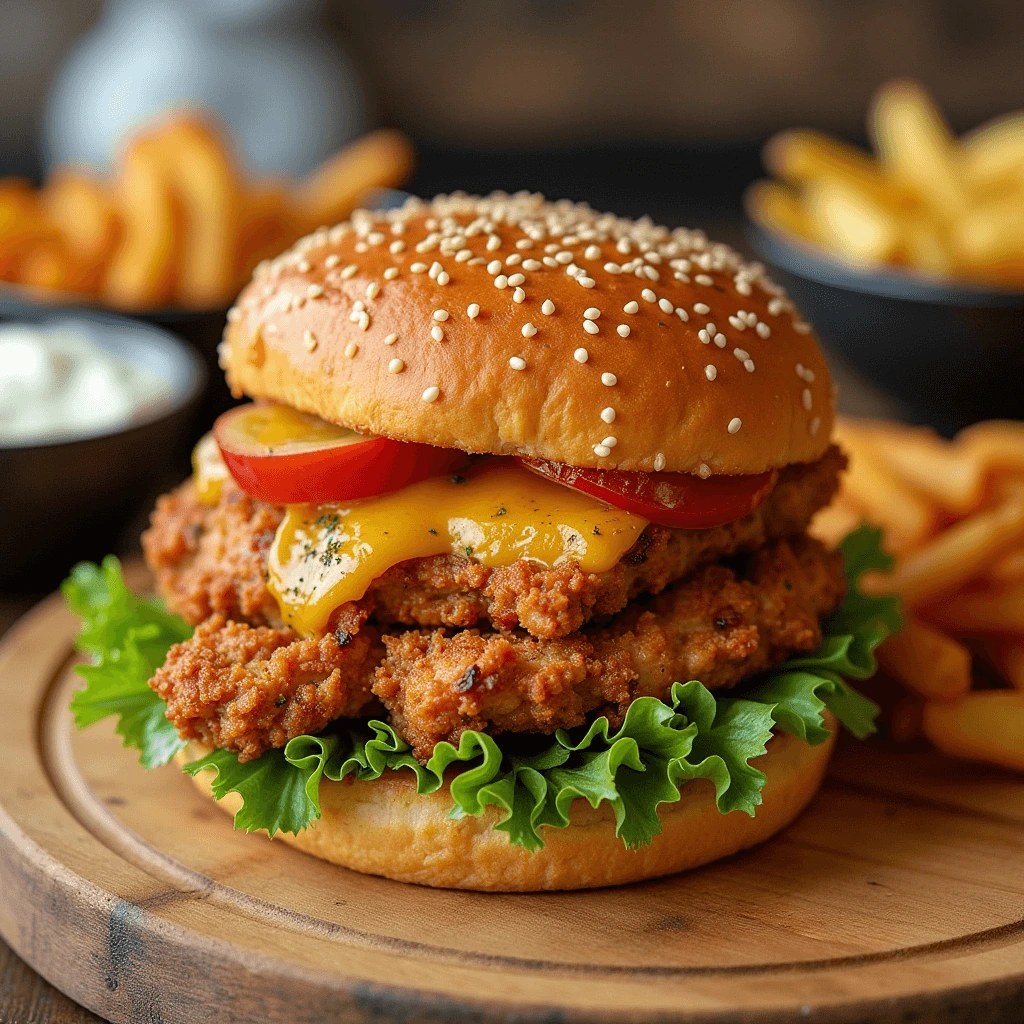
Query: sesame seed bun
(515, 326)
(386, 828)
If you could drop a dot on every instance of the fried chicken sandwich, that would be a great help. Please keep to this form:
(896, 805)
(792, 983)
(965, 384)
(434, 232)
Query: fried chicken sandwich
(503, 579)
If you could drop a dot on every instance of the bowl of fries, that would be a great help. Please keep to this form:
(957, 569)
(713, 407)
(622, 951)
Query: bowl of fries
(909, 262)
(952, 513)
(174, 231)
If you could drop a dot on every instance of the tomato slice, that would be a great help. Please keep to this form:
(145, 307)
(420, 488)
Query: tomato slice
(680, 500)
(287, 457)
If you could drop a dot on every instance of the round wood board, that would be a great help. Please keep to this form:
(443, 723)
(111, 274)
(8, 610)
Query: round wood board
(899, 896)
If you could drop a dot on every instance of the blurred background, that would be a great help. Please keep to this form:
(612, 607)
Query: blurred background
(655, 106)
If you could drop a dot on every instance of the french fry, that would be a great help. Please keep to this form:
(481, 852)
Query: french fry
(927, 661)
(994, 153)
(204, 182)
(952, 478)
(832, 523)
(851, 222)
(1007, 568)
(382, 159)
(996, 444)
(980, 610)
(958, 554)
(779, 209)
(803, 157)
(917, 149)
(81, 209)
(141, 271)
(986, 237)
(268, 225)
(883, 499)
(984, 726)
(1007, 656)
(22, 225)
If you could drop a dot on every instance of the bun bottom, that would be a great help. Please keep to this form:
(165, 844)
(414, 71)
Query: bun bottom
(386, 828)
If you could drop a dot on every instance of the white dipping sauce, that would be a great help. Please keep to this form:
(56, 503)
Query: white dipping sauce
(57, 384)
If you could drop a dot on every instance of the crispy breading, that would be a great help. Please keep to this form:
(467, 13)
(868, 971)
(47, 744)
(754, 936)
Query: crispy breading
(247, 689)
(717, 627)
(213, 559)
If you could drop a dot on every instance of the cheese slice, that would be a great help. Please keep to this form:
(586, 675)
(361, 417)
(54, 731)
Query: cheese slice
(496, 513)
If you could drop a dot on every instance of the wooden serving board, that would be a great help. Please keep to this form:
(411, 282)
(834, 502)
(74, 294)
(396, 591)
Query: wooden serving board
(898, 897)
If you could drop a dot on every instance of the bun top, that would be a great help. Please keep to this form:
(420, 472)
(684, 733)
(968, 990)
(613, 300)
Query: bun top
(515, 326)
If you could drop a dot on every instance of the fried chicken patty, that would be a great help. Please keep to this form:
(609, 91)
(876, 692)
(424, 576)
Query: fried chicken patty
(249, 688)
(246, 688)
(213, 560)
(718, 627)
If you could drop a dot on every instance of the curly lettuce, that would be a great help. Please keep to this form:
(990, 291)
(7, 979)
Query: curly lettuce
(660, 746)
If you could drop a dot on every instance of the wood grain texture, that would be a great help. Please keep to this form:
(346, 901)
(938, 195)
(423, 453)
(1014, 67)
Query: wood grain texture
(898, 897)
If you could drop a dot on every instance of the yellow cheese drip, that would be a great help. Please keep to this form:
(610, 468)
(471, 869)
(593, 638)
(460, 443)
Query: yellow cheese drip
(497, 513)
(208, 470)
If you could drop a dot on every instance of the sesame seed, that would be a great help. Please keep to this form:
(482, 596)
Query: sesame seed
(418, 268)
(473, 310)
(650, 273)
(610, 442)
(518, 295)
(748, 365)
(592, 313)
(763, 330)
(516, 279)
(391, 339)
(391, 273)
(234, 314)
(493, 242)
(720, 340)
(809, 376)
(741, 354)
(524, 243)
(613, 268)
(592, 252)
(711, 371)
(739, 324)
(815, 424)
(332, 261)
(462, 255)
(743, 288)
(608, 414)
(581, 355)
(734, 425)
(358, 306)
(547, 307)
(436, 333)
(443, 278)
(776, 306)
(435, 270)
(631, 307)
(517, 363)
(750, 318)
(704, 279)
(550, 261)
(602, 451)
(801, 328)
(586, 282)
(351, 349)
(431, 394)
(609, 380)
(648, 295)
(590, 327)
(513, 259)
(350, 270)
(372, 290)
(528, 330)
(303, 266)
(704, 336)
(396, 366)
(659, 462)
(501, 281)
(441, 315)
(703, 471)
(314, 291)
(682, 314)
(310, 339)
(364, 321)
(564, 256)
(806, 399)
(397, 246)
(622, 330)
(702, 308)
(532, 264)
(494, 267)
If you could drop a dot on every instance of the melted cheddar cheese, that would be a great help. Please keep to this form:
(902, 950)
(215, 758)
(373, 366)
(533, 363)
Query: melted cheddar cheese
(497, 513)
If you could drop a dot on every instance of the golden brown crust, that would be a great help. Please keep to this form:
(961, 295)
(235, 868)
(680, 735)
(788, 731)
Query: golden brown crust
(312, 331)
(386, 828)
(714, 627)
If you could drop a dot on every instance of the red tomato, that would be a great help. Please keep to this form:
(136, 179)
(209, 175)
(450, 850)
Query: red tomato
(286, 457)
(679, 500)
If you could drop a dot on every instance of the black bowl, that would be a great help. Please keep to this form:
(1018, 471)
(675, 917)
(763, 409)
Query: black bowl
(953, 353)
(62, 500)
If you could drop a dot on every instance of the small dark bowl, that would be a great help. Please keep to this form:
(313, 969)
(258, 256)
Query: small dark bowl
(62, 500)
(953, 353)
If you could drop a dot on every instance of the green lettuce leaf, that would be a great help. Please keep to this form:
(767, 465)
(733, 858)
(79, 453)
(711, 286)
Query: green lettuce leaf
(636, 768)
(128, 638)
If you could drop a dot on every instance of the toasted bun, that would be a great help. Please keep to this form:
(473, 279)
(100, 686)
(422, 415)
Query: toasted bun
(341, 326)
(386, 828)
